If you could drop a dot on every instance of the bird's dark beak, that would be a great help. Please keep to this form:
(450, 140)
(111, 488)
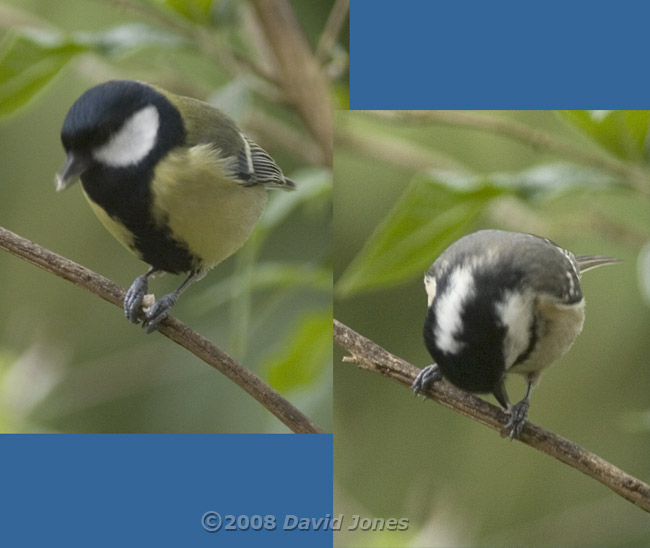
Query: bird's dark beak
(74, 166)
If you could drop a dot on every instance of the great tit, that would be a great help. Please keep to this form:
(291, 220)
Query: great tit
(171, 177)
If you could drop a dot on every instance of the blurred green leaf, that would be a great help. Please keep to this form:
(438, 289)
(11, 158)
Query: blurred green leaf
(311, 186)
(623, 132)
(198, 11)
(265, 276)
(28, 62)
(31, 58)
(544, 180)
(302, 357)
(124, 39)
(433, 212)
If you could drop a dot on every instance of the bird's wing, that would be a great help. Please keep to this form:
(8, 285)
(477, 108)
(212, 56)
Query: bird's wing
(255, 166)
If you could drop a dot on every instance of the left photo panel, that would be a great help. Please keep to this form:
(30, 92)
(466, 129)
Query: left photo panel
(166, 267)
(193, 141)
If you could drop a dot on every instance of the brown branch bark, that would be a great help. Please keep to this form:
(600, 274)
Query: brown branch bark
(172, 328)
(372, 357)
(303, 81)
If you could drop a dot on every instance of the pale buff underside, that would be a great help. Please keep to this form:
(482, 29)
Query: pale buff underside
(561, 326)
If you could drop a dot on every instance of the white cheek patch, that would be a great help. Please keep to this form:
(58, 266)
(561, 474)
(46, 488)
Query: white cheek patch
(515, 312)
(134, 140)
(449, 308)
(430, 287)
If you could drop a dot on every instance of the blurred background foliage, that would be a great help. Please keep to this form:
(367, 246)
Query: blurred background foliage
(69, 362)
(407, 185)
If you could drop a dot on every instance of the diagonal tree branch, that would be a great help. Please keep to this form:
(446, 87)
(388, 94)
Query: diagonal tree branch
(372, 357)
(172, 328)
(304, 83)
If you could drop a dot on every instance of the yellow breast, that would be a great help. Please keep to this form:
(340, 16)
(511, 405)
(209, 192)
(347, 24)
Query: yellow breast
(213, 214)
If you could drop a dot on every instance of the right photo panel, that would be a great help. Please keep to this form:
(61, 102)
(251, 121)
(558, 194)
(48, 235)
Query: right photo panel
(490, 378)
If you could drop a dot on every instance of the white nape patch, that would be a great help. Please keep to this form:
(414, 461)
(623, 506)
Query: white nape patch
(449, 307)
(515, 312)
(430, 287)
(134, 140)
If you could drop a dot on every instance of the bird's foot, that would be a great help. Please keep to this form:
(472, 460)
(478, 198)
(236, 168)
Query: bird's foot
(518, 418)
(158, 312)
(425, 379)
(133, 298)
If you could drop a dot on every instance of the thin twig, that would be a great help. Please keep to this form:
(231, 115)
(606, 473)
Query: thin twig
(333, 26)
(172, 328)
(234, 62)
(303, 80)
(269, 132)
(389, 149)
(631, 175)
(370, 356)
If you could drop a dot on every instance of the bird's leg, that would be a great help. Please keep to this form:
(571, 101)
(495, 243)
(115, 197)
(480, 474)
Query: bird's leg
(135, 294)
(501, 395)
(519, 412)
(160, 309)
(424, 380)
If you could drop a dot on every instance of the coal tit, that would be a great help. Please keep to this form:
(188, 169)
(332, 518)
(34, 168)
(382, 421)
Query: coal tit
(502, 302)
(172, 178)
